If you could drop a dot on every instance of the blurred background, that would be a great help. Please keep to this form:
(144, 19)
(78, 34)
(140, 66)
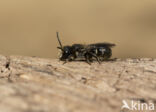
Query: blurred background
(28, 27)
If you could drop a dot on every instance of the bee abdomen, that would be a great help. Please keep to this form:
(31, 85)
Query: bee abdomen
(103, 53)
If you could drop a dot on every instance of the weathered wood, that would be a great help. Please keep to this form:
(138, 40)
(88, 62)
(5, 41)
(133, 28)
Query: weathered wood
(31, 84)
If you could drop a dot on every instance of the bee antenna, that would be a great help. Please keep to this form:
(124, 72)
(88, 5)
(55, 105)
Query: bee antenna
(61, 47)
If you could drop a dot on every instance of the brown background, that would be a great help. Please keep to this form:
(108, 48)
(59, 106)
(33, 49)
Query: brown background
(28, 27)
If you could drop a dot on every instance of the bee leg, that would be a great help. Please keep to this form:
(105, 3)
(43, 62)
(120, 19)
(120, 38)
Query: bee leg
(65, 62)
(70, 58)
(87, 59)
(99, 61)
(114, 59)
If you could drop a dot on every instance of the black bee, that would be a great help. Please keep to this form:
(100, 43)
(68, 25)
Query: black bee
(97, 51)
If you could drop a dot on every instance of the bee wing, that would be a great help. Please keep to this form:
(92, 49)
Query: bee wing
(104, 44)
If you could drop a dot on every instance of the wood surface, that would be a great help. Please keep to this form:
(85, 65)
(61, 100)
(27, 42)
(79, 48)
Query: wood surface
(32, 84)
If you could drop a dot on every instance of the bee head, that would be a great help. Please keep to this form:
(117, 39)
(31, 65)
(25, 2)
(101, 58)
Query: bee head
(66, 51)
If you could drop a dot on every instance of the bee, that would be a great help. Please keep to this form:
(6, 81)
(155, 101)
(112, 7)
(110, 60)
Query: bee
(89, 53)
